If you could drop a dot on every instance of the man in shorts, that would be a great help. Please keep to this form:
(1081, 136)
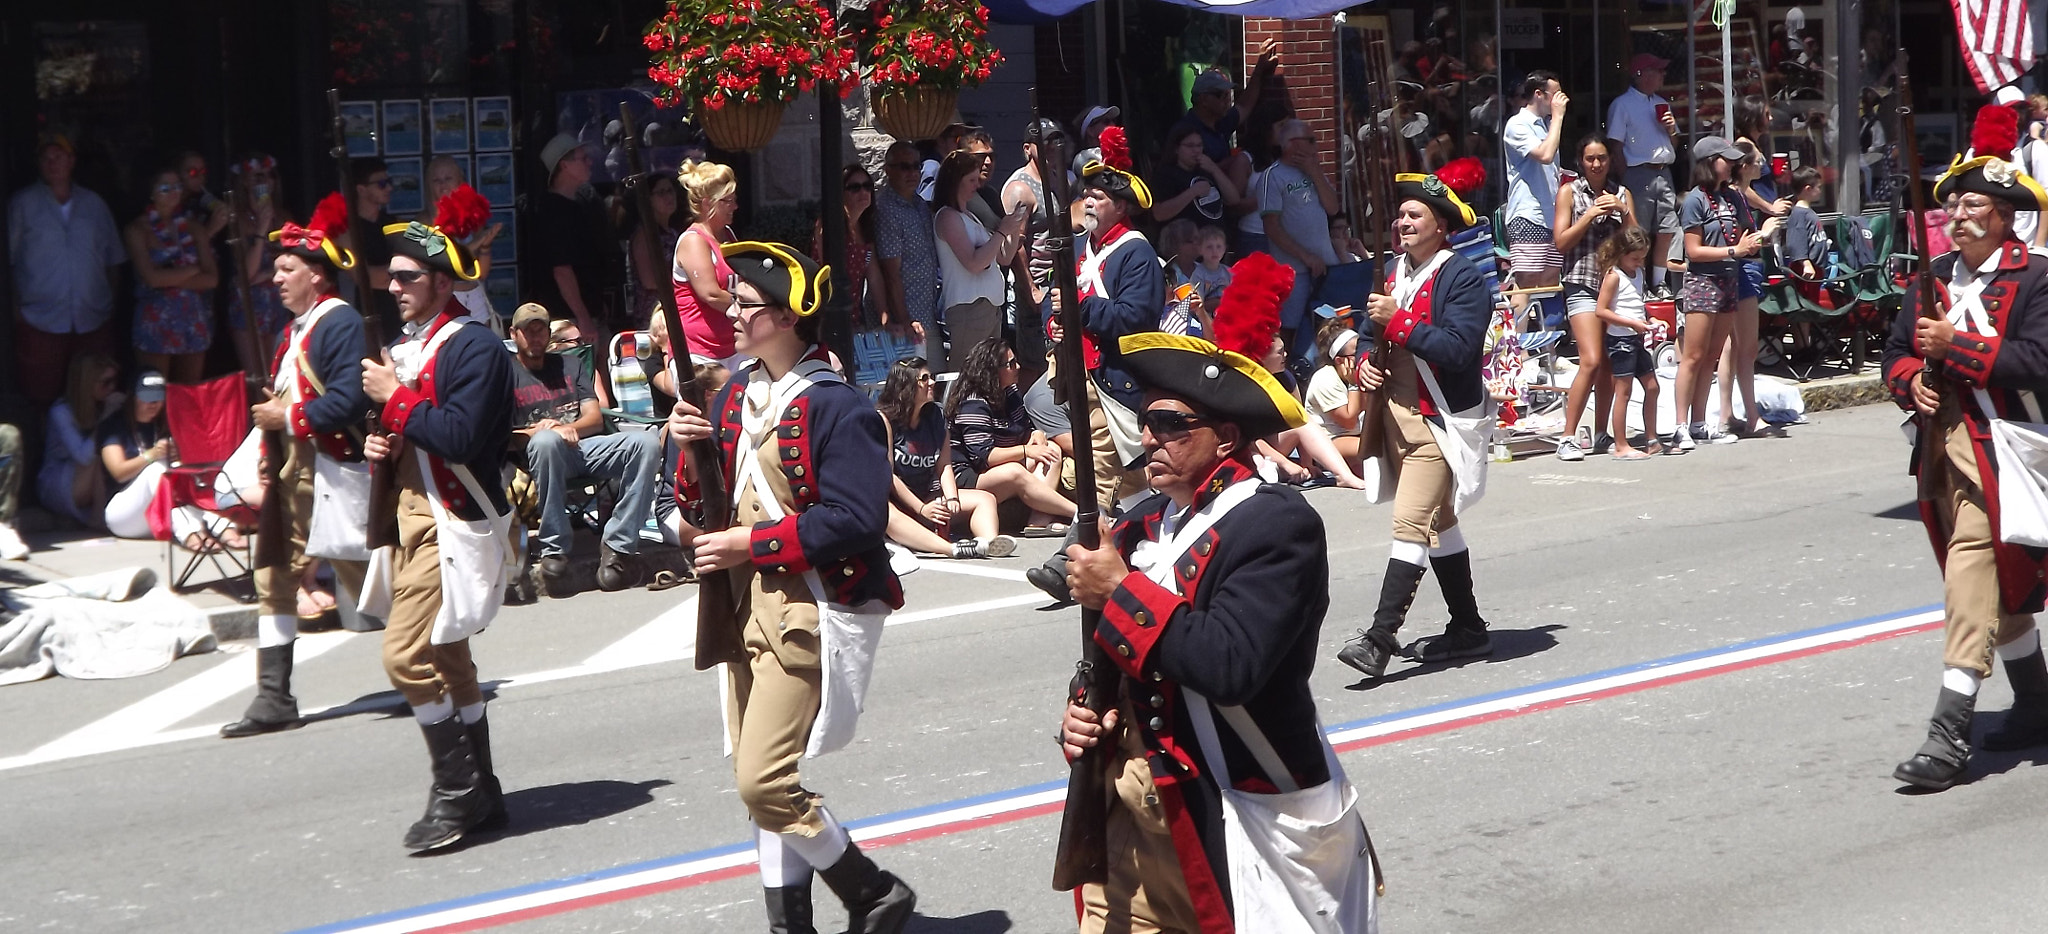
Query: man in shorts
(1533, 137)
(1642, 121)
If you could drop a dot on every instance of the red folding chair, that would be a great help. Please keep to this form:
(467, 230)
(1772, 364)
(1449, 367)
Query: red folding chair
(208, 422)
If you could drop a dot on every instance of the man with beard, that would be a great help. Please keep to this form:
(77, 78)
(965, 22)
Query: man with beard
(1973, 358)
(1122, 293)
(318, 405)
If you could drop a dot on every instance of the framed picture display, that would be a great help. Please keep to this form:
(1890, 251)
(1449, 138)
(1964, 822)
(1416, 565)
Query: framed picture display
(501, 286)
(359, 127)
(492, 117)
(403, 128)
(505, 249)
(493, 178)
(448, 124)
(408, 187)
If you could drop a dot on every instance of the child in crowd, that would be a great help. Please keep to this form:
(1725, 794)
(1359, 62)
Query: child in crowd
(2037, 116)
(1178, 244)
(1349, 248)
(1620, 306)
(1805, 247)
(1212, 276)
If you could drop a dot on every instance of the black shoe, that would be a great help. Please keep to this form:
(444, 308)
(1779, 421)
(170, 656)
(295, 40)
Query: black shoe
(459, 800)
(1054, 583)
(2026, 724)
(1945, 757)
(1366, 655)
(1454, 578)
(789, 909)
(1369, 650)
(614, 570)
(1454, 644)
(480, 744)
(554, 568)
(274, 708)
(876, 902)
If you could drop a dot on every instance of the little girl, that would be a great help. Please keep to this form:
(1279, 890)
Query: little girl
(1620, 306)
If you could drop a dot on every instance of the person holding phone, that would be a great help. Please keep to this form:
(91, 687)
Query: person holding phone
(971, 256)
(1641, 120)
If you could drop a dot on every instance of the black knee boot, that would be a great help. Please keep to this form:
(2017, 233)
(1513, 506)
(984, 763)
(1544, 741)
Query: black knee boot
(1945, 756)
(876, 902)
(480, 744)
(1051, 577)
(789, 909)
(1369, 650)
(458, 800)
(2026, 724)
(1465, 636)
(274, 707)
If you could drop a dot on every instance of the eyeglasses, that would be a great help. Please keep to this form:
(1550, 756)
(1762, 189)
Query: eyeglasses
(408, 276)
(384, 183)
(926, 379)
(1169, 425)
(852, 187)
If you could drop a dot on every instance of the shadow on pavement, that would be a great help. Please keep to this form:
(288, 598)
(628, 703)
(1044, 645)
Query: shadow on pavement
(1985, 764)
(1908, 511)
(532, 810)
(390, 704)
(992, 921)
(1508, 645)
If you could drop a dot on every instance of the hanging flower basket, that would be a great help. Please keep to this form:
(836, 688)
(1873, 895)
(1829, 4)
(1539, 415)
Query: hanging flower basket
(741, 127)
(917, 113)
(727, 54)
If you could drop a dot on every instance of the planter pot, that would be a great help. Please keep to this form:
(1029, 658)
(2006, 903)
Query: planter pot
(741, 127)
(915, 113)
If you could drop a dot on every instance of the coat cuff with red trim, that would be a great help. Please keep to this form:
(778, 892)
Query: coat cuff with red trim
(1132, 621)
(1970, 357)
(301, 426)
(398, 410)
(1900, 380)
(776, 548)
(1403, 324)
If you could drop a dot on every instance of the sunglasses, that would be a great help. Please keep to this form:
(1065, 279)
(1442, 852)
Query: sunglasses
(166, 189)
(384, 183)
(1169, 425)
(408, 276)
(858, 186)
(926, 379)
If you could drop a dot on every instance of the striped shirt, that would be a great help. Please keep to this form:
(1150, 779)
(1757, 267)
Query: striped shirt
(978, 428)
(1579, 266)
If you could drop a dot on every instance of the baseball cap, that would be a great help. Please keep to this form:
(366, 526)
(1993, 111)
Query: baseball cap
(2009, 95)
(528, 314)
(558, 149)
(1046, 128)
(1211, 81)
(1707, 147)
(1097, 113)
(149, 387)
(1645, 61)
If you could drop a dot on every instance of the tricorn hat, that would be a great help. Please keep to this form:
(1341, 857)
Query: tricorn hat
(1113, 173)
(1224, 378)
(783, 274)
(320, 240)
(1988, 171)
(1434, 192)
(434, 248)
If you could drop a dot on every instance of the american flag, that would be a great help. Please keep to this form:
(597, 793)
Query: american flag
(1998, 41)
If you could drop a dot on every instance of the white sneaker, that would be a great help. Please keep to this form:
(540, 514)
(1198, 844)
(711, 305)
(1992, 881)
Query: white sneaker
(12, 548)
(1001, 546)
(1719, 435)
(1569, 450)
(1685, 442)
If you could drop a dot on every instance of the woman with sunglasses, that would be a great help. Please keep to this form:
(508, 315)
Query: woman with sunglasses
(174, 280)
(699, 274)
(259, 212)
(1717, 239)
(995, 447)
(928, 499)
(857, 198)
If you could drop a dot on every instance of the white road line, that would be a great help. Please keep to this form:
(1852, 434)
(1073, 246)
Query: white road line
(1033, 598)
(965, 569)
(667, 637)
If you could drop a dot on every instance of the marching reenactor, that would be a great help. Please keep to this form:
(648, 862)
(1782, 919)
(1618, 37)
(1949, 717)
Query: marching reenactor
(1212, 593)
(807, 459)
(1973, 358)
(1434, 314)
(446, 392)
(317, 404)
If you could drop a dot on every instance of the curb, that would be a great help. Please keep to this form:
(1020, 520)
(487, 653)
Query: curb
(232, 623)
(1841, 392)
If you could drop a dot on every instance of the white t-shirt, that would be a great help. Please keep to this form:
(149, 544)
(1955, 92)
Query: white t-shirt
(1327, 391)
(1628, 301)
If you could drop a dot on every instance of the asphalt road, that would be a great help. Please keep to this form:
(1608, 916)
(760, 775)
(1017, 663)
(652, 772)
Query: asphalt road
(1743, 789)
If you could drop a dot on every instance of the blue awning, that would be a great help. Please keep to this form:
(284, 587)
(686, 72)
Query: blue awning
(1039, 11)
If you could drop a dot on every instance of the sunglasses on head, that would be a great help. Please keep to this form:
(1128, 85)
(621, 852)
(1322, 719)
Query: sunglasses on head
(408, 276)
(1169, 425)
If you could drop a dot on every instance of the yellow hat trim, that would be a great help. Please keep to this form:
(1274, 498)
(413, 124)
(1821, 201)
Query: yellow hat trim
(466, 267)
(805, 297)
(1138, 189)
(1284, 403)
(1957, 167)
(1449, 192)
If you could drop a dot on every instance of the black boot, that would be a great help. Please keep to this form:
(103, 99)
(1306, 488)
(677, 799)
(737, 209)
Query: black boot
(1945, 756)
(789, 909)
(1051, 577)
(1465, 636)
(615, 569)
(1369, 650)
(2026, 724)
(274, 707)
(458, 801)
(480, 743)
(876, 902)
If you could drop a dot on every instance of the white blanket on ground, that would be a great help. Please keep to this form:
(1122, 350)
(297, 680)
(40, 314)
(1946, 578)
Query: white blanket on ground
(112, 625)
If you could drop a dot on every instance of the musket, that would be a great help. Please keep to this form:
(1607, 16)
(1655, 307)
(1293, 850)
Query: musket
(718, 629)
(1376, 168)
(1082, 855)
(273, 530)
(383, 528)
(1917, 191)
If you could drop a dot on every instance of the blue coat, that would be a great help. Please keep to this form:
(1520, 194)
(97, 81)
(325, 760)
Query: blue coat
(333, 419)
(1136, 290)
(462, 413)
(1446, 325)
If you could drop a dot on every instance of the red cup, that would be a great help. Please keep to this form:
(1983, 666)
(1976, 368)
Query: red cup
(1781, 165)
(1663, 110)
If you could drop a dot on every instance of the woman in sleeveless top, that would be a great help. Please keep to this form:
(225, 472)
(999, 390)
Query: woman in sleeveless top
(1592, 208)
(927, 499)
(174, 280)
(971, 257)
(700, 272)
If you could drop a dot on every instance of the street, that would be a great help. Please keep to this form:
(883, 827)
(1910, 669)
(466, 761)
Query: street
(1706, 668)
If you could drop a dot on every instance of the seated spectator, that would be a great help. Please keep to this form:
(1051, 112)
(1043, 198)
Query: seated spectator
(1313, 441)
(928, 502)
(556, 438)
(1349, 248)
(135, 447)
(995, 447)
(12, 548)
(71, 484)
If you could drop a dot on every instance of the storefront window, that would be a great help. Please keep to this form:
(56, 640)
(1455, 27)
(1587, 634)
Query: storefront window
(1442, 62)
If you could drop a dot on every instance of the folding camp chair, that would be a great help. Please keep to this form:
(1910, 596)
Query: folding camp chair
(208, 422)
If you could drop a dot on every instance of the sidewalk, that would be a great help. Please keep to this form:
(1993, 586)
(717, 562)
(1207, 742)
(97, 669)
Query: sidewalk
(74, 553)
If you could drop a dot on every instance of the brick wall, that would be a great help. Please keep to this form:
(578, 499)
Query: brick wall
(1307, 55)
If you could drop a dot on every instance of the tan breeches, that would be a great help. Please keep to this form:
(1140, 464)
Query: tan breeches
(277, 588)
(1423, 484)
(1976, 617)
(1147, 891)
(770, 710)
(1112, 481)
(419, 669)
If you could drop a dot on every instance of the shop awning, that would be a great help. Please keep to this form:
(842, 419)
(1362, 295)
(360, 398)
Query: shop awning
(1038, 11)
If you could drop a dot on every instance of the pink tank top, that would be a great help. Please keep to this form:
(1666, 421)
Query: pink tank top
(707, 330)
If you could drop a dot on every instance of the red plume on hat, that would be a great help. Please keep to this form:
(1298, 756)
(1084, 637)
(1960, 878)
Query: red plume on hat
(1116, 149)
(330, 216)
(1464, 176)
(462, 212)
(1248, 315)
(1996, 132)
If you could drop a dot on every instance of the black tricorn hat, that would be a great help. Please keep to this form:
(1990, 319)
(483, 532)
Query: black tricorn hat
(1224, 378)
(784, 275)
(433, 248)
